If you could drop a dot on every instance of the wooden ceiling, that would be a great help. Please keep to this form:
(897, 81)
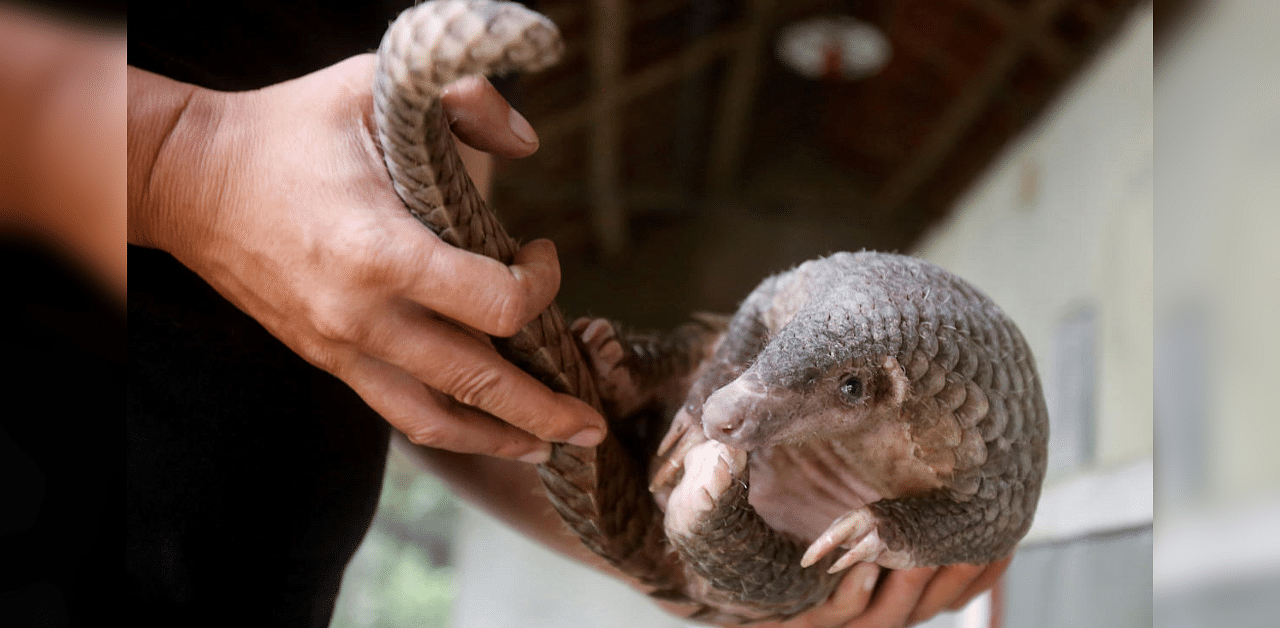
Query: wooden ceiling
(665, 108)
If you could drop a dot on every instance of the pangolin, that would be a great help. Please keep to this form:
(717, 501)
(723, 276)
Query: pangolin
(860, 407)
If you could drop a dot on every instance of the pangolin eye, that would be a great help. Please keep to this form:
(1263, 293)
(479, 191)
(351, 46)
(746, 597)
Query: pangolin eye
(852, 388)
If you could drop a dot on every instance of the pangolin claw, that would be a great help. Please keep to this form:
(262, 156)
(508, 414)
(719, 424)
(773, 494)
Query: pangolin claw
(849, 528)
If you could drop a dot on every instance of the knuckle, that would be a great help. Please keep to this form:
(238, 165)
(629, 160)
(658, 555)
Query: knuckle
(475, 387)
(374, 273)
(427, 435)
(339, 327)
(338, 317)
(469, 93)
(511, 449)
(322, 355)
(384, 269)
(510, 311)
(548, 424)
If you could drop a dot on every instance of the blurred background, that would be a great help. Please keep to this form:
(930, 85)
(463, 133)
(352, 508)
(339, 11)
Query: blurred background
(692, 147)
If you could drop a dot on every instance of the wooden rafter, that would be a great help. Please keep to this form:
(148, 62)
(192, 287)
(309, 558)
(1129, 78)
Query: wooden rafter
(737, 97)
(1047, 44)
(970, 104)
(695, 57)
(1095, 16)
(608, 46)
(601, 113)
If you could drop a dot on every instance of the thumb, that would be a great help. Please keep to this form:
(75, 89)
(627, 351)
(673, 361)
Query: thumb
(483, 119)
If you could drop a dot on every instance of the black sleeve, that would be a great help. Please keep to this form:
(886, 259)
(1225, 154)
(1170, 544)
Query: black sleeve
(251, 476)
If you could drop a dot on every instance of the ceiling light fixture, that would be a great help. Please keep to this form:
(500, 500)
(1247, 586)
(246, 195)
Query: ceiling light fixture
(833, 47)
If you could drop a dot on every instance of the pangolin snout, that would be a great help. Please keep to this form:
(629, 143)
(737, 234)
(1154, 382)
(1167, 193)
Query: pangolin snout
(731, 415)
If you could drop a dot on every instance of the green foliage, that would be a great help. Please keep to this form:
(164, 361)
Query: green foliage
(401, 575)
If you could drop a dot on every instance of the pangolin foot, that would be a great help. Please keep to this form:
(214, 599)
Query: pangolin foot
(608, 357)
(710, 470)
(858, 531)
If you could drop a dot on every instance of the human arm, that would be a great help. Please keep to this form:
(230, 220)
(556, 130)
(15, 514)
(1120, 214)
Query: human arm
(279, 199)
(867, 597)
(62, 139)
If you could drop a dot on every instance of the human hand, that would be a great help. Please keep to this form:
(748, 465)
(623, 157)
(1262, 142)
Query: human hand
(901, 598)
(280, 200)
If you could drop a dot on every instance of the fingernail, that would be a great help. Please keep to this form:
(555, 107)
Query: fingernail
(589, 437)
(521, 127)
(537, 456)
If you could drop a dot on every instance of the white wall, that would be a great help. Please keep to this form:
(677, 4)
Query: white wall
(1219, 198)
(1065, 219)
(1219, 192)
(1064, 223)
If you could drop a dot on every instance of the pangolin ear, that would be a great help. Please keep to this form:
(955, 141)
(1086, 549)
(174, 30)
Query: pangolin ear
(895, 377)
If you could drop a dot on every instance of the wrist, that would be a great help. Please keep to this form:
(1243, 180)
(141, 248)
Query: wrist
(173, 173)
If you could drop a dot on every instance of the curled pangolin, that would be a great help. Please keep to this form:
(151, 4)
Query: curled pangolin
(860, 407)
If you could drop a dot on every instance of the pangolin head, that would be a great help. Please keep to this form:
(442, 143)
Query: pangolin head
(858, 339)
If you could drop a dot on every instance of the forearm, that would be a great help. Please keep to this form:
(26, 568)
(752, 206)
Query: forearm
(512, 492)
(62, 118)
(508, 490)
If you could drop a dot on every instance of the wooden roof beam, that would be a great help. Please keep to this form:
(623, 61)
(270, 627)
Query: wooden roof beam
(608, 36)
(693, 58)
(1054, 51)
(970, 104)
(738, 96)
(1096, 17)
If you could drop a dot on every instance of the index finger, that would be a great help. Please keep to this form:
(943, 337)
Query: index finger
(481, 292)
(456, 363)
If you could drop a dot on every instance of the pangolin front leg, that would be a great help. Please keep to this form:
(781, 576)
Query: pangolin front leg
(858, 531)
(937, 528)
(736, 565)
(739, 564)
